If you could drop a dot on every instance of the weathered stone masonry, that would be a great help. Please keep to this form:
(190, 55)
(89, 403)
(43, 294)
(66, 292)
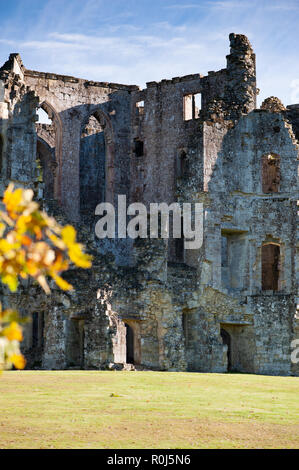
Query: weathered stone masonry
(230, 305)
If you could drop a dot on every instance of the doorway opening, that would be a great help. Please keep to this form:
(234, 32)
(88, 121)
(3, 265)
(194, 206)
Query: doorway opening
(75, 343)
(126, 341)
(130, 359)
(226, 340)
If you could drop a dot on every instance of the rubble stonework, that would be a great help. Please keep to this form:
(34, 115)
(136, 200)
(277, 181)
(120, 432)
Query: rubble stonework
(227, 306)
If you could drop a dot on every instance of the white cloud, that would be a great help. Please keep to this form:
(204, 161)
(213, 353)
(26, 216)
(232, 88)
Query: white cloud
(87, 41)
(8, 42)
(228, 4)
(283, 6)
(182, 6)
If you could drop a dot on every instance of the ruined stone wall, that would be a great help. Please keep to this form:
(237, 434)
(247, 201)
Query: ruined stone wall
(206, 309)
(71, 101)
(17, 124)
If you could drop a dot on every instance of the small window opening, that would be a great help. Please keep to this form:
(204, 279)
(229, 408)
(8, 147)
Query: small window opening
(179, 246)
(192, 106)
(140, 108)
(43, 117)
(138, 148)
(270, 173)
(92, 127)
(197, 105)
(270, 266)
(183, 165)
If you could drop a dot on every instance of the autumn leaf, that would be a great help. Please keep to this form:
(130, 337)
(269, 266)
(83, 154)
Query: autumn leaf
(18, 361)
(13, 332)
(34, 245)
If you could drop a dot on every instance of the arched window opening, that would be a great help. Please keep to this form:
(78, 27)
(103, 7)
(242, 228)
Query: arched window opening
(92, 165)
(48, 129)
(270, 266)
(43, 117)
(270, 173)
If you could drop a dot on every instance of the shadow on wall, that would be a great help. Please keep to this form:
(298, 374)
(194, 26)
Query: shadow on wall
(92, 166)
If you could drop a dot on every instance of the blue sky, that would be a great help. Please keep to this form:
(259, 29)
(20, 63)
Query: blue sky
(135, 41)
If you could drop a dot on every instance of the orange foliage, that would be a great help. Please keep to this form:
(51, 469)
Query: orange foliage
(32, 245)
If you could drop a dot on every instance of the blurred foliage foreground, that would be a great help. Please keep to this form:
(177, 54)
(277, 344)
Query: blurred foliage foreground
(32, 245)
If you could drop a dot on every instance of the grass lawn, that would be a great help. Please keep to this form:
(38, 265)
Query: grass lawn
(94, 409)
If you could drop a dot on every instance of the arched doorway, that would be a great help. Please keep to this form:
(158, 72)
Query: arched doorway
(130, 359)
(226, 340)
(126, 340)
(75, 343)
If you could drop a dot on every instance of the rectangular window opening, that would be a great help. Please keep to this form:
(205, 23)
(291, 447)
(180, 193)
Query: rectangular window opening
(270, 266)
(138, 148)
(179, 246)
(233, 260)
(140, 108)
(197, 105)
(192, 106)
(270, 173)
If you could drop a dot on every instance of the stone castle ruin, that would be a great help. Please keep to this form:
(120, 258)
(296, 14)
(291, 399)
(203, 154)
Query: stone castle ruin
(149, 303)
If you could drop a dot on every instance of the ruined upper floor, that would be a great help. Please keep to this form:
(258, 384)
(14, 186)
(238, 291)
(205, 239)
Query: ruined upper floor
(157, 144)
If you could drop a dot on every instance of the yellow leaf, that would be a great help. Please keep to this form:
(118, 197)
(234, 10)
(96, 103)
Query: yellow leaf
(68, 234)
(79, 258)
(11, 280)
(2, 229)
(64, 285)
(56, 241)
(18, 361)
(13, 332)
(12, 199)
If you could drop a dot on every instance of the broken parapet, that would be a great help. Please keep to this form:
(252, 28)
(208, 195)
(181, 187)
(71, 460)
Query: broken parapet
(273, 104)
(241, 88)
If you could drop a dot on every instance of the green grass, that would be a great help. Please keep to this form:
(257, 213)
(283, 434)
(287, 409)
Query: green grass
(93, 409)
